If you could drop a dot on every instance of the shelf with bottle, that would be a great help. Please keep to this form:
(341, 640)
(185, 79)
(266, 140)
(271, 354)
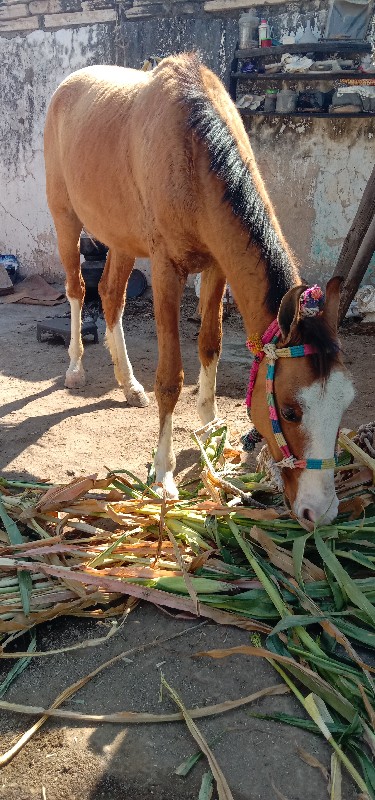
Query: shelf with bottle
(247, 112)
(328, 75)
(327, 46)
(334, 73)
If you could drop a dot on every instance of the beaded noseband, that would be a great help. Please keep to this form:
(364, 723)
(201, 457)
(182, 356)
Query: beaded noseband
(265, 347)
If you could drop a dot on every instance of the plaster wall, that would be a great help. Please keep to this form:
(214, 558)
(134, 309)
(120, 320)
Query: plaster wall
(32, 68)
(315, 170)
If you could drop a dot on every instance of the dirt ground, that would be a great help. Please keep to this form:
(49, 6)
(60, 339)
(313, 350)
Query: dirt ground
(48, 432)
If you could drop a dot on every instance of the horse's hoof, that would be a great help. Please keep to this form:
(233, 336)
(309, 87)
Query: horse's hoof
(75, 379)
(137, 397)
(168, 486)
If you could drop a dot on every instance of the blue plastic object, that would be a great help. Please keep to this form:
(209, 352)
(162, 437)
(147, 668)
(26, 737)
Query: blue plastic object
(10, 263)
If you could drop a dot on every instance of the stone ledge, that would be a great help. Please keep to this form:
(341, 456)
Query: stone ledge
(24, 24)
(14, 11)
(233, 5)
(79, 18)
(54, 6)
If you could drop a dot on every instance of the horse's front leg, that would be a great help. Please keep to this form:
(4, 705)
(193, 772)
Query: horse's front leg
(167, 288)
(209, 342)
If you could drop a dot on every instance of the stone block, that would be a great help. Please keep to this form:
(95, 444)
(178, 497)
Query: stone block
(144, 11)
(184, 8)
(21, 25)
(79, 18)
(6, 285)
(233, 5)
(92, 5)
(54, 6)
(14, 11)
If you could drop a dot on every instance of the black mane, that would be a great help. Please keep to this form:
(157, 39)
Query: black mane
(240, 191)
(316, 331)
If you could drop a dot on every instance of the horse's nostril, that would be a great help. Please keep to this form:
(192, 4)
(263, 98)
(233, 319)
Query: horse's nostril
(307, 514)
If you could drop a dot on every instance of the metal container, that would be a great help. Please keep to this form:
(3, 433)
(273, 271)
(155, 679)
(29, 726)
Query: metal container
(286, 101)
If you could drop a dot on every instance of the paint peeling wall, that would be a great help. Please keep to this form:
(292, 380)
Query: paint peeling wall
(315, 170)
(32, 69)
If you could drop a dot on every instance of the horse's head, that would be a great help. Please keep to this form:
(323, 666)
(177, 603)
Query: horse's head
(298, 401)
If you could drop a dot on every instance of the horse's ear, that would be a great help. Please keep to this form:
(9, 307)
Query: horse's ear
(332, 302)
(288, 315)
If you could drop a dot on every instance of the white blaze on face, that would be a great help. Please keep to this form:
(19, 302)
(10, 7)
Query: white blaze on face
(323, 406)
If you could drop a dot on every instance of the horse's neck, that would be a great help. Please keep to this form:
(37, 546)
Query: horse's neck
(242, 261)
(246, 272)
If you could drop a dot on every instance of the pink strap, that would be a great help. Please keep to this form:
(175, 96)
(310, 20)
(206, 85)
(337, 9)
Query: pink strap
(272, 331)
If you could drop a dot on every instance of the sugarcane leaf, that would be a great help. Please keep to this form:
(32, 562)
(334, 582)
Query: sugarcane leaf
(15, 537)
(304, 724)
(367, 766)
(362, 635)
(223, 789)
(298, 619)
(354, 555)
(344, 580)
(207, 789)
(298, 553)
(17, 668)
(184, 768)
(310, 679)
(335, 778)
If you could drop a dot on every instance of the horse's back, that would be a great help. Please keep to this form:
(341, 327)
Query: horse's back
(119, 148)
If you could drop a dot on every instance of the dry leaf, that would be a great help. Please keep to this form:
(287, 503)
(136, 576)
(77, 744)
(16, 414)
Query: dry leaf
(277, 793)
(223, 789)
(309, 759)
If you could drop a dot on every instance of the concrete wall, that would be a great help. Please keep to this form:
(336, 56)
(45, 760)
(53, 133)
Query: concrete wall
(32, 68)
(315, 170)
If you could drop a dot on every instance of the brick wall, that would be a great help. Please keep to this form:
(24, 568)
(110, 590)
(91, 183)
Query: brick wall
(19, 17)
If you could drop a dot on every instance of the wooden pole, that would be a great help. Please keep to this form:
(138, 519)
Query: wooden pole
(358, 270)
(359, 227)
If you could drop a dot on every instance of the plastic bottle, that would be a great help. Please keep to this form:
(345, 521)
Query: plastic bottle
(248, 24)
(263, 31)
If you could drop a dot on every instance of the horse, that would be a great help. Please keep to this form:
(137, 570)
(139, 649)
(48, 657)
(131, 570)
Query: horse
(158, 164)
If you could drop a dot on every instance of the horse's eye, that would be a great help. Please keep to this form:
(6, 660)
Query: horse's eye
(290, 414)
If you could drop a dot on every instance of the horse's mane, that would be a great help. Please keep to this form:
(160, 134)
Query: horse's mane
(240, 192)
(316, 331)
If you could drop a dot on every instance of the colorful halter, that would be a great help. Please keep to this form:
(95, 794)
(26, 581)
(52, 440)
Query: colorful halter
(265, 346)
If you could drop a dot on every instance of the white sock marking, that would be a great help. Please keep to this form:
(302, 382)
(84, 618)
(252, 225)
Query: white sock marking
(75, 375)
(134, 391)
(206, 403)
(165, 460)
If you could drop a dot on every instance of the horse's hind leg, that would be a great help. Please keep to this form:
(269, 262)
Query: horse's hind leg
(68, 229)
(209, 342)
(112, 288)
(167, 288)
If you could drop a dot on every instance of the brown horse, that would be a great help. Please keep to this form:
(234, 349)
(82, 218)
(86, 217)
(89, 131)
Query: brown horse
(159, 164)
